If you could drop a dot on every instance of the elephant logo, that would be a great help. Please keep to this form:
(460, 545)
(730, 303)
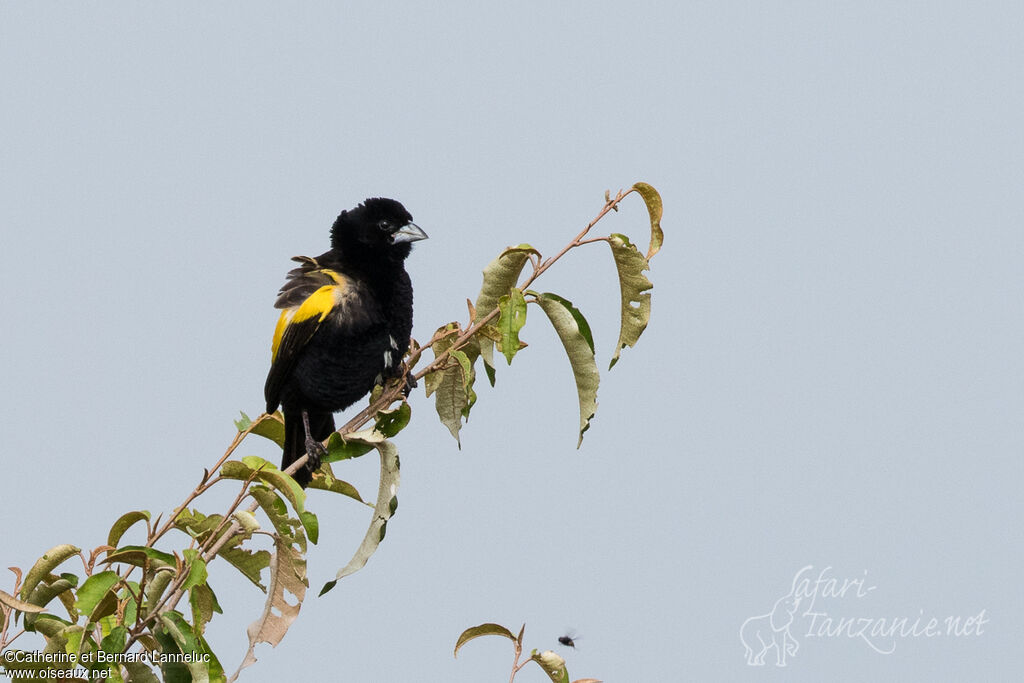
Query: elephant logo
(762, 633)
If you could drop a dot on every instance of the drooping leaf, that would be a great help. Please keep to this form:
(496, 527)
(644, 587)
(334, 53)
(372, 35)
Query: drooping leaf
(483, 346)
(468, 378)
(445, 337)
(287, 578)
(249, 562)
(453, 392)
(574, 332)
(387, 503)
(653, 201)
(156, 587)
(204, 604)
(213, 665)
(184, 637)
(633, 286)
(44, 565)
(123, 523)
(20, 605)
(482, 630)
(513, 317)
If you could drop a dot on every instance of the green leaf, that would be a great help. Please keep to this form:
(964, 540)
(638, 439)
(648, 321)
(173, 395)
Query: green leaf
(574, 332)
(653, 201)
(513, 317)
(46, 591)
(204, 603)
(216, 670)
(468, 377)
(50, 626)
(174, 624)
(140, 556)
(268, 473)
(482, 630)
(156, 587)
(197, 572)
(454, 395)
(452, 384)
(270, 427)
(93, 591)
(500, 276)
(633, 286)
(439, 347)
(123, 523)
(73, 636)
(485, 339)
(44, 565)
(196, 524)
(247, 520)
(390, 422)
(114, 641)
(249, 562)
(553, 665)
(244, 422)
(340, 449)
(387, 502)
(335, 485)
(289, 529)
(140, 673)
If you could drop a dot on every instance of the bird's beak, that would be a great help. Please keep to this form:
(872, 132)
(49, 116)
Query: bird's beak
(409, 233)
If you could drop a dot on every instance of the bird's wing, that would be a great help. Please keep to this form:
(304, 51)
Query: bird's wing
(312, 296)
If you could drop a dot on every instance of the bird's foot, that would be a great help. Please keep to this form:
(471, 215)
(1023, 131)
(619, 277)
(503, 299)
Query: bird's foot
(316, 453)
(409, 383)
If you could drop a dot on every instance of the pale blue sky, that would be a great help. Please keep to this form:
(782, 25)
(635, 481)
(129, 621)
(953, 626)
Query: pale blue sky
(832, 376)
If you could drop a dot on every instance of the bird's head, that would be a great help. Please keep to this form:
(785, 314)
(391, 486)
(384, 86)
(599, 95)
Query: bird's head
(377, 225)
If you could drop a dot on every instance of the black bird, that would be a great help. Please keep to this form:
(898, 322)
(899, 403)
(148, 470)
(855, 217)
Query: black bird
(345, 325)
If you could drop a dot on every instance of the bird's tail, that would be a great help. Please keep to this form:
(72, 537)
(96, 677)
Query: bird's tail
(320, 427)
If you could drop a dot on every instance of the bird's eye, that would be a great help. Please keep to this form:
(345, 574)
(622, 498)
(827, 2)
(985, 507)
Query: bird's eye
(384, 226)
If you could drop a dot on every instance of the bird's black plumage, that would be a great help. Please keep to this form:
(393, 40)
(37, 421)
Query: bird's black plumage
(345, 324)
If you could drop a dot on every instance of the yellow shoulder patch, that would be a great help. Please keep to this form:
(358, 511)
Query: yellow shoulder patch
(318, 304)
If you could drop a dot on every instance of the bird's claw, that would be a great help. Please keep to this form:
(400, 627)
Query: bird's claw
(316, 453)
(409, 383)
